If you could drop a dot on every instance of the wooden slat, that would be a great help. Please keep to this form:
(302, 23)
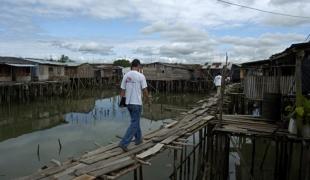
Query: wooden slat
(171, 124)
(64, 175)
(89, 169)
(120, 173)
(115, 167)
(118, 152)
(101, 156)
(100, 150)
(200, 112)
(103, 163)
(49, 172)
(85, 177)
(193, 110)
(150, 151)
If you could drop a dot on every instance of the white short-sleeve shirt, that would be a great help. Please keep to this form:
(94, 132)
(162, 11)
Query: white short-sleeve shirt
(218, 80)
(133, 82)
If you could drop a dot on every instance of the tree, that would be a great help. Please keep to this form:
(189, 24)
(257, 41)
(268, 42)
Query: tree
(64, 59)
(122, 62)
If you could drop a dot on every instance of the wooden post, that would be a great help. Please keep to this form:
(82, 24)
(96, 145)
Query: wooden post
(299, 98)
(199, 160)
(253, 156)
(181, 164)
(222, 91)
(194, 156)
(140, 173)
(300, 162)
(188, 167)
(185, 165)
(135, 174)
(276, 173)
(175, 157)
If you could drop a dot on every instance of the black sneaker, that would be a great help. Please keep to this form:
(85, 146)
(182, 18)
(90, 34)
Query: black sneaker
(125, 149)
(137, 143)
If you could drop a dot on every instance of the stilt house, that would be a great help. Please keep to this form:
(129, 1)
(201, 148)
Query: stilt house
(269, 81)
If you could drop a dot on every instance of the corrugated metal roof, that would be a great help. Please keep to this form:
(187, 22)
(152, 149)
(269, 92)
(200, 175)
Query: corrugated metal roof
(13, 60)
(179, 66)
(73, 64)
(20, 65)
(42, 61)
(218, 65)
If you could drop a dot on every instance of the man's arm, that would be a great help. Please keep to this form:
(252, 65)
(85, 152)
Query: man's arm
(122, 94)
(123, 87)
(144, 89)
(146, 95)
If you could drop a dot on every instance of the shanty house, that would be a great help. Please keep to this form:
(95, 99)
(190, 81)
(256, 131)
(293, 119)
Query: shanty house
(165, 71)
(107, 72)
(45, 70)
(212, 69)
(104, 71)
(15, 69)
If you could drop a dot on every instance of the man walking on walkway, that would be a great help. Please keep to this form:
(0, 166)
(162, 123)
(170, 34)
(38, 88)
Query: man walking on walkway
(218, 83)
(132, 85)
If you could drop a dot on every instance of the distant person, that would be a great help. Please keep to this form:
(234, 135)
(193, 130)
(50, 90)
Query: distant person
(218, 82)
(132, 85)
(256, 111)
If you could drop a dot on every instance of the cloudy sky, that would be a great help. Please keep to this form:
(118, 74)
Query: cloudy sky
(185, 31)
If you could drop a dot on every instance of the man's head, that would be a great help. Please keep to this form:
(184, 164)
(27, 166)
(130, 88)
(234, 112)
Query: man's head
(135, 64)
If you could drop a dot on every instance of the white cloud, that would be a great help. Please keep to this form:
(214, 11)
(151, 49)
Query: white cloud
(182, 28)
(85, 47)
(176, 31)
(94, 48)
(261, 47)
(281, 2)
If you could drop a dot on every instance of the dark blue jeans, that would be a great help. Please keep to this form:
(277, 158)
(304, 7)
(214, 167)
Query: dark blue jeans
(134, 129)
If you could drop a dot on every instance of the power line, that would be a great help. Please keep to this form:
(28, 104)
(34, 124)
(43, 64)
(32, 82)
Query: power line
(265, 11)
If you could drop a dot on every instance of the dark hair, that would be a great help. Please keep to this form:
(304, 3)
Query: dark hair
(135, 63)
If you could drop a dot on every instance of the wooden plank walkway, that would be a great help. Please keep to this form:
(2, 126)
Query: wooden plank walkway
(110, 162)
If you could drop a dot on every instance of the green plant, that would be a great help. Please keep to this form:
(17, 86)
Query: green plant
(302, 112)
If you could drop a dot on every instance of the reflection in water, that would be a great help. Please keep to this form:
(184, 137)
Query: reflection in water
(32, 135)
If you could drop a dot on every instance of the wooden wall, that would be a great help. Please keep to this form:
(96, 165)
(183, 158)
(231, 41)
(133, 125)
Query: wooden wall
(56, 72)
(82, 71)
(21, 74)
(256, 86)
(106, 73)
(162, 72)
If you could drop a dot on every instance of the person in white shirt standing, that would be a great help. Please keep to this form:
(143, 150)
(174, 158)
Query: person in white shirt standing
(132, 86)
(218, 83)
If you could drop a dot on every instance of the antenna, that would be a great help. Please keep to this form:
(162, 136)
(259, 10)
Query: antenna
(307, 38)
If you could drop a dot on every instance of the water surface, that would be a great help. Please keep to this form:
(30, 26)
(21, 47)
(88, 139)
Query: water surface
(33, 134)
